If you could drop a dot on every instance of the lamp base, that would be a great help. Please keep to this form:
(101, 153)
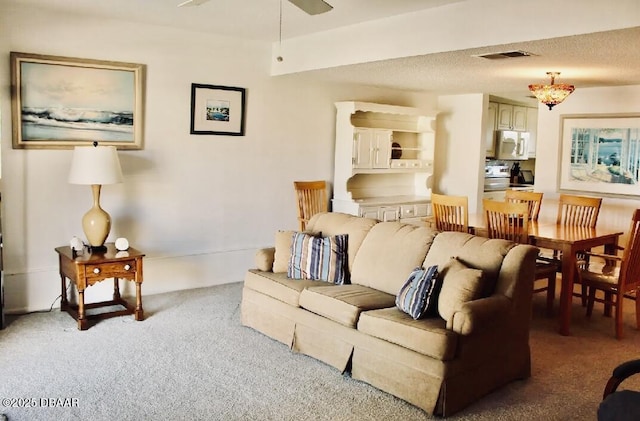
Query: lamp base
(97, 249)
(96, 223)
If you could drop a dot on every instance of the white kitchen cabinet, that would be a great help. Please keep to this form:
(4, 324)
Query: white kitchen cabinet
(511, 117)
(490, 130)
(532, 124)
(411, 213)
(383, 161)
(389, 213)
(372, 148)
(369, 212)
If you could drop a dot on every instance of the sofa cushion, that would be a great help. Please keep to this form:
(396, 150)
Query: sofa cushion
(278, 286)
(418, 297)
(265, 258)
(476, 252)
(319, 258)
(283, 251)
(334, 223)
(344, 303)
(389, 253)
(425, 336)
(459, 285)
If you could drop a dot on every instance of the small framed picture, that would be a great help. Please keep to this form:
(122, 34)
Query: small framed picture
(61, 102)
(217, 110)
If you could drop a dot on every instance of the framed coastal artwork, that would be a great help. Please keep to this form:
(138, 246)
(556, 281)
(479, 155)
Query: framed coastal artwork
(601, 153)
(62, 102)
(217, 110)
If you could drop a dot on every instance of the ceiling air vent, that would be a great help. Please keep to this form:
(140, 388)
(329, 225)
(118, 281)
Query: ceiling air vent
(505, 54)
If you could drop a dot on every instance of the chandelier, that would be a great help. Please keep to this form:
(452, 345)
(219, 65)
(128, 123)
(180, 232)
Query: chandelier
(552, 94)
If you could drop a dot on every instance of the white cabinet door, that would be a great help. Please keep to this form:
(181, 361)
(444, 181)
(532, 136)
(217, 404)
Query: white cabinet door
(362, 148)
(519, 118)
(490, 130)
(512, 117)
(505, 113)
(371, 148)
(388, 213)
(532, 124)
(381, 148)
(369, 212)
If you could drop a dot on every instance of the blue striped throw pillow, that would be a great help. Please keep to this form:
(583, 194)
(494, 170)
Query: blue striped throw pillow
(418, 296)
(319, 258)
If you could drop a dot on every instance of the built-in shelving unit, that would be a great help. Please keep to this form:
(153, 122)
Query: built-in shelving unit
(383, 161)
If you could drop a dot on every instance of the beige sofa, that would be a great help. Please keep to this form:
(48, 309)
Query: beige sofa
(438, 364)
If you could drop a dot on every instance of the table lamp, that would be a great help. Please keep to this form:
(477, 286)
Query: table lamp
(95, 165)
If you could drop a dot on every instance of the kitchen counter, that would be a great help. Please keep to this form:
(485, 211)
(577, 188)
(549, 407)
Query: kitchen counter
(520, 186)
(512, 186)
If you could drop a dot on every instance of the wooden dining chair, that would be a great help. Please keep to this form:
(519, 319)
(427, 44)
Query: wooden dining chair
(312, 198)
(618, 277)
(510, 221)
(451, 213)
(532, 199)
(581, 211)
(543, 263)
(577, 211)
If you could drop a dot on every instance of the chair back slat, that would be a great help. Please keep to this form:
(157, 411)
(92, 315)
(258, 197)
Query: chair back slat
(507, 220)
(451, 213)
(532, 199)
(630, 268)
(312, 198)
(578, 210)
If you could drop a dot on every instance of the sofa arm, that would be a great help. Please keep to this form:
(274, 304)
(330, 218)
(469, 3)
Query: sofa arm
(474, 315)
(264, 259)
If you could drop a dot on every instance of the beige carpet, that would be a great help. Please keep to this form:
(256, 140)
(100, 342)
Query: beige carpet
(191, 359)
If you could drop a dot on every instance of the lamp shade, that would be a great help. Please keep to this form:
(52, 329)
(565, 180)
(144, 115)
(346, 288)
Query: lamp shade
(552, 94)
(95, 165)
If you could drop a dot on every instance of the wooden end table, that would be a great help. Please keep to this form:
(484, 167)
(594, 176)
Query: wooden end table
(89, 267)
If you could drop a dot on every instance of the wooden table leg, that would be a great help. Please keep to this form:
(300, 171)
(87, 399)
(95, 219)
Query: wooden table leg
(566, 292)
(139, 313)
(116, 289)
(64, 302)
(82, 321)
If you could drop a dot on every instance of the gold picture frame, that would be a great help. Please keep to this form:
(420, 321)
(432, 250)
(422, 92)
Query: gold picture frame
(61, 102)
(600, 154)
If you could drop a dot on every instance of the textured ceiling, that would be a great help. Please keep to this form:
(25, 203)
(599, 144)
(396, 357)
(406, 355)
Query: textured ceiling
(599, 59)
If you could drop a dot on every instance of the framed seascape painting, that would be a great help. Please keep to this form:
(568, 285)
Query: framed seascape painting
(601, 153)
(62, 102)
(217, 110)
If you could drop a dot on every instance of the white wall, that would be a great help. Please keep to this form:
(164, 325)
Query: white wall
(616, 211)
(199, 206)
(460, 152)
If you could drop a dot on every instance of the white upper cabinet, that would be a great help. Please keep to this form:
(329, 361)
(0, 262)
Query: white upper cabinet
(490, 130)
(532, 123)
(511, 117)
(372, 148)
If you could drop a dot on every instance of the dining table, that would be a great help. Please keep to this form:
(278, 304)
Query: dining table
(567, 240)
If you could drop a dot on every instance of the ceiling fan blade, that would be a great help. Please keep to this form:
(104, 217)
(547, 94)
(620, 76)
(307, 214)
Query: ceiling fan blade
(192, 3)
(312, 7)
